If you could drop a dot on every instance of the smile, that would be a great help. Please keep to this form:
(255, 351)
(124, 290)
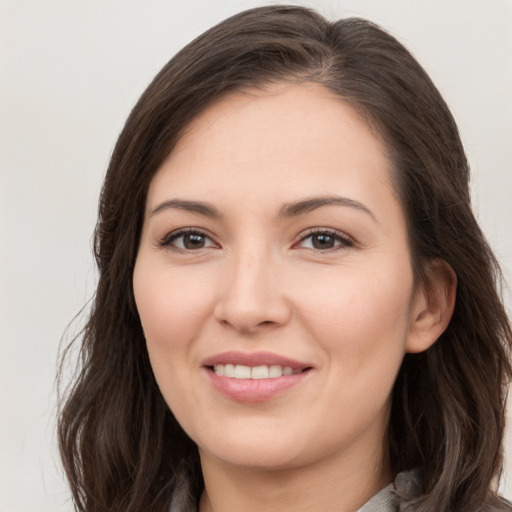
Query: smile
(239, 371)
(254, 377)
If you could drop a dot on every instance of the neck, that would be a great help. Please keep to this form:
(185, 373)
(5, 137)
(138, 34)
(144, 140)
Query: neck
(328, 485)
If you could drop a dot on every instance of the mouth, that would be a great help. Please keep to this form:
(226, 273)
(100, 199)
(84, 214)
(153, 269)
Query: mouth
(254, 377)
(240, 371)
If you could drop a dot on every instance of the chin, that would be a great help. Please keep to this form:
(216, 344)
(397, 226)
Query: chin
(256, 452)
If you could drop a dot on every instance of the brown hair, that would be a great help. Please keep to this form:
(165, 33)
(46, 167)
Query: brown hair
(121, 446)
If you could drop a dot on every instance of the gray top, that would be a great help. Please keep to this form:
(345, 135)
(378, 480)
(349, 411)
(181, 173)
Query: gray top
(406, 486)
(386, 500)
(383, 501)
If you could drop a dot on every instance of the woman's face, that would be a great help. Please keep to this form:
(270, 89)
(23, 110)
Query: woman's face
(274, 282)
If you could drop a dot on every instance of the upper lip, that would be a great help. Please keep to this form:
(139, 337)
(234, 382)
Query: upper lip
(254, 359)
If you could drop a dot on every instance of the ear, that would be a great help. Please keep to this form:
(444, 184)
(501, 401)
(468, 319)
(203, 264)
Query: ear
(432, 308)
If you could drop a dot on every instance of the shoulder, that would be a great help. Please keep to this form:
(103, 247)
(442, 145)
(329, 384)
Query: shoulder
(408, 486)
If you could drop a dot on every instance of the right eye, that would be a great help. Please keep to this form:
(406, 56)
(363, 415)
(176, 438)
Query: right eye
(188, 240)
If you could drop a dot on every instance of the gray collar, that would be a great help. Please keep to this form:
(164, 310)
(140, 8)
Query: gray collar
(406, 484)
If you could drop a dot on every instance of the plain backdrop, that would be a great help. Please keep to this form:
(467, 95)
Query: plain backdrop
(69, 73)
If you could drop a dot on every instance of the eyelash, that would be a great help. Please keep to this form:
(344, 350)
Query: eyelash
(343, 240)
(171, 237)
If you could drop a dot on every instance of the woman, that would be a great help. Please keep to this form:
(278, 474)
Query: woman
(296, 307)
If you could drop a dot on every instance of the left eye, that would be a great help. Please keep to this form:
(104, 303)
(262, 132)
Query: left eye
(324, 240)
(188, 241)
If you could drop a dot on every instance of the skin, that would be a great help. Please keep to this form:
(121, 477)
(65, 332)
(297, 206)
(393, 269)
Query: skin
(257, 282)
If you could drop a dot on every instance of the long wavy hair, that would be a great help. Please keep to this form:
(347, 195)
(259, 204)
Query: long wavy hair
(122, 449)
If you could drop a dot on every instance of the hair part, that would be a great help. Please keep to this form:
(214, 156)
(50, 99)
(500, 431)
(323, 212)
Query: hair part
(121, 446)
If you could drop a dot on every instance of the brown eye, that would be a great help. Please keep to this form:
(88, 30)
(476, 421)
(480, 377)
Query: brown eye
(188, 240)
(325, 240)
(194, 241)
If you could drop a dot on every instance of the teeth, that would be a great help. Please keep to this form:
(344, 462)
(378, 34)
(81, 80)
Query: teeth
(275, 371)
(240, 371)
(259, 372)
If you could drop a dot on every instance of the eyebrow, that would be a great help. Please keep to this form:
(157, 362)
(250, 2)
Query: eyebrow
(199, 207)
(286, 211)
(305, 206)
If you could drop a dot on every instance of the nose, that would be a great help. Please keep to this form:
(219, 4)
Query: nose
(251, 296)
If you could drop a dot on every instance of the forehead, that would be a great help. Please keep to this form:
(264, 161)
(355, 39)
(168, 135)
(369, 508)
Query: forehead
(279, 140)
(280, 113)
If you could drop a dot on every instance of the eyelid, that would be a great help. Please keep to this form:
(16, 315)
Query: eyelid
(166, 241)
(346, 241)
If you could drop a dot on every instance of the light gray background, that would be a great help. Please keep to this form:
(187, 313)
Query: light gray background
(69, 73)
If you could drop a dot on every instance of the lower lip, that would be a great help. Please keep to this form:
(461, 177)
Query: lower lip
(254, 390)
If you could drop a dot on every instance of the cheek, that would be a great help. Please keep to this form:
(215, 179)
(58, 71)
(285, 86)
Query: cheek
(361, 319)
(172, 307)
(361, 326)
